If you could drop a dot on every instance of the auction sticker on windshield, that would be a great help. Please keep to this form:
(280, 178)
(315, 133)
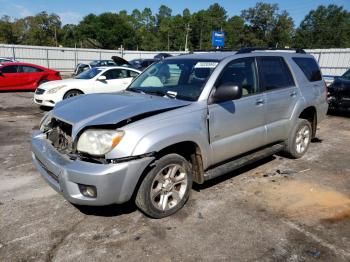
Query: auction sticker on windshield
(206, 65)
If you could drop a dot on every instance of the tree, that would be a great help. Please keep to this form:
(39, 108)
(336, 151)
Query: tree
(41, 29)
(9, 31)
(283, 32)
(267, 26)
(325, 27)
(234, 30)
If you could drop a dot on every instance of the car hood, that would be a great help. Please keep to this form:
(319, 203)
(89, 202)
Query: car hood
(111, 109)
(52, 84)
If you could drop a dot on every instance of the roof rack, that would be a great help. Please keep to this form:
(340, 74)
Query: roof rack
(246, 50)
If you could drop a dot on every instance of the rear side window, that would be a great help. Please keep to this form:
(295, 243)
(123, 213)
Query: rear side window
(274, 73)
(309, 68)
(30, 69)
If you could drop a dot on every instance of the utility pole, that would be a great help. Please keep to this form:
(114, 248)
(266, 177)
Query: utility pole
(56, 42)
(168, 41)
(186, 41)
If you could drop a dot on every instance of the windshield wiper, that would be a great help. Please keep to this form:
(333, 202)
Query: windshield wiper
(158, 93)
(136, 90)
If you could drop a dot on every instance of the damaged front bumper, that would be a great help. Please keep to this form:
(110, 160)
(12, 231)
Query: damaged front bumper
(114, 183)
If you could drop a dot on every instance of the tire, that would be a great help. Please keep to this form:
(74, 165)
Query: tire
(299, 139)
(166, 187)
(72, 93)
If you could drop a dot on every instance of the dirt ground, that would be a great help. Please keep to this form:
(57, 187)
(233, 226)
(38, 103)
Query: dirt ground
(275, 210)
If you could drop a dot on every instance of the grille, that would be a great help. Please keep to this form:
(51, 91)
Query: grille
(39, 91)
(60, 136)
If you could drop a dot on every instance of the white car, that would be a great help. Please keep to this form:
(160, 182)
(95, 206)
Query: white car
(95, 80)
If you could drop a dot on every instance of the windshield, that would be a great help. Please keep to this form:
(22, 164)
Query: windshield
(176, 78)
(89, 74)
(346, 75)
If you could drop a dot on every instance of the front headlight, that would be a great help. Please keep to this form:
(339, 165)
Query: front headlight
(55, 89)
(99, 142)
(45, 122)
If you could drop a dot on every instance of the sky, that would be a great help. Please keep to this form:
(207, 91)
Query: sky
(72, 11)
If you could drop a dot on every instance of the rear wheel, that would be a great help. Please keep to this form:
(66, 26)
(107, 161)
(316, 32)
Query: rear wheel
(166, 187)
(299, 139)
(72, 93)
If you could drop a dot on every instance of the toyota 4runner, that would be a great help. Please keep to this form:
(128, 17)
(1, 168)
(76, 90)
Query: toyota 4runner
(185, 119)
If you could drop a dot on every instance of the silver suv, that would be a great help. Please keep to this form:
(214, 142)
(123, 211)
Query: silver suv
(185, 119)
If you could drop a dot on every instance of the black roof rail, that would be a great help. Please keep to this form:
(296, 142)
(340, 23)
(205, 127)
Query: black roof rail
(215, 50)
(246, 50)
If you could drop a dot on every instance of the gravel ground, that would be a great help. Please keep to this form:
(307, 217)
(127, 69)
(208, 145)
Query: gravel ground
(275, 210)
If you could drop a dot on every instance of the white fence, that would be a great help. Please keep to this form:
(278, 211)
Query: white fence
(66, 59)
(333, 62)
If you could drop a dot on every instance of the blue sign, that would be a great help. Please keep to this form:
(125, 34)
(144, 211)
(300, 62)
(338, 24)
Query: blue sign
(218, 38)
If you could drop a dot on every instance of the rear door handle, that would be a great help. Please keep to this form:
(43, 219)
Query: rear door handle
(259, 101)
(293, 94)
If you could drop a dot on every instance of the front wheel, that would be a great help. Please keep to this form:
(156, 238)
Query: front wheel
(166, 187)
(299, 139)
(72, 93)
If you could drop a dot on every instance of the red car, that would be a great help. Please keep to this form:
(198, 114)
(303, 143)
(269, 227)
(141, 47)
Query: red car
(24, 76)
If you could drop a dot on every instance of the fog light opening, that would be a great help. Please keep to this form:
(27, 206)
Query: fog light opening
(88, 191)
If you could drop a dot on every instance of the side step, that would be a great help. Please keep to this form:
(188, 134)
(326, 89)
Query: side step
(242, 161)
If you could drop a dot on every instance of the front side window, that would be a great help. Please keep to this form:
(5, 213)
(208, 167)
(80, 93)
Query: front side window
(89, 74)
(309, 68)
(132, 74)
(116, 74)
(274, 73)
(241, 72)
(176, 78)
(9, 69)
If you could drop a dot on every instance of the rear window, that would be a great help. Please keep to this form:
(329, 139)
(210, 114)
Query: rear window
(309, 68)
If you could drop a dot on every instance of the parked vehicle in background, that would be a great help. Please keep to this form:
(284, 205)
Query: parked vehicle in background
(24, 76)
(185, 119)
(139, 64)
(142, 64)
(6, 59)
(94, 80)
(96, 63)
(339, 92)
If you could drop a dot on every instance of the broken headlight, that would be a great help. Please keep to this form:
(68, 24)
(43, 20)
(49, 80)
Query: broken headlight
(45, 123)
(98, 142)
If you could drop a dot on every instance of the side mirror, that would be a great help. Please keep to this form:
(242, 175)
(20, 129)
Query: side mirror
(102, 78)
(226, 92)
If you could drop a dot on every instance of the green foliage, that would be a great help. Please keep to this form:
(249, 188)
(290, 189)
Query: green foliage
(324, 27)
(261, 25)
